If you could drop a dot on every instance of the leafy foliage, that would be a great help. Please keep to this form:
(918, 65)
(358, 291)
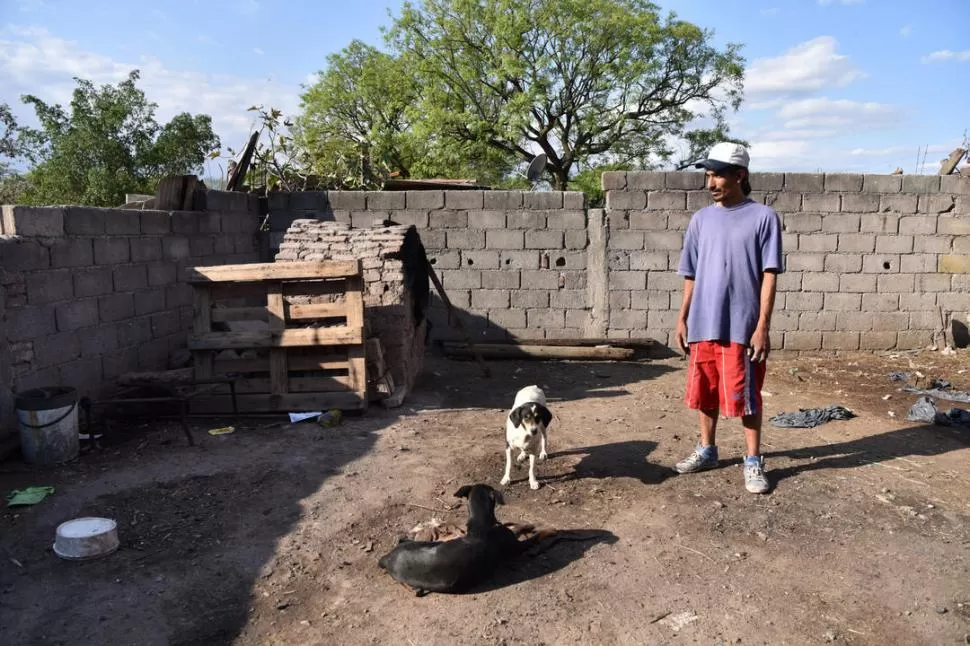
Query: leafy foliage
(108, 143)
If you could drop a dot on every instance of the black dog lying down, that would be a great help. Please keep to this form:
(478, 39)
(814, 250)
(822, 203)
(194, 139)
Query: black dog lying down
(455, 565)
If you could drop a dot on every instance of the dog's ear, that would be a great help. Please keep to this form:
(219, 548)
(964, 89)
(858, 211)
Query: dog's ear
(497, 497)
(516, 416)
(544, 415)
(463, 492)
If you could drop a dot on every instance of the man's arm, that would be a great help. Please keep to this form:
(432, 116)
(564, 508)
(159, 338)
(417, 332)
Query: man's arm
(760, 340)
(681, 333)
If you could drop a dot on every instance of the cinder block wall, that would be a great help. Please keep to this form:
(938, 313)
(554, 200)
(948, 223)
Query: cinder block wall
(87, 294)
(874, 261)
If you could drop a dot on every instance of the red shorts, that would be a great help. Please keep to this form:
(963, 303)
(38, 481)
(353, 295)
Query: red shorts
(722, 376)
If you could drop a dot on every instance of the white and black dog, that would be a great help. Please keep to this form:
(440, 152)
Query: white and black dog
(525, 430)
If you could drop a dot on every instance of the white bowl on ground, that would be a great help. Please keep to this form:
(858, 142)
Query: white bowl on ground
(86, 538)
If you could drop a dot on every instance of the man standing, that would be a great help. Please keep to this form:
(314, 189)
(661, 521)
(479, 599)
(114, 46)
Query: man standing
(730, 261)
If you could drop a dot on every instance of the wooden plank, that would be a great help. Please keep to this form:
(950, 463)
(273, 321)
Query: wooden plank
(618, 343)
(202, 324)
(314, 288)
(509, 351)
(299, 312)
(223, 314)
(277, 323)
(950, 163)
(303, 337)
(229, 366)
(338, 383)
(255, 272)
(252, 294)
(290, 403)
(355, 319)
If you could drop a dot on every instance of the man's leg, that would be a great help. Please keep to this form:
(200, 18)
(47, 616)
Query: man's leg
(701, 395)
(755, 480)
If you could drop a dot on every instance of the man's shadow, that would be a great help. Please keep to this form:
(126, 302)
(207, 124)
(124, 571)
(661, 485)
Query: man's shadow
(617, 460)
(923, 440)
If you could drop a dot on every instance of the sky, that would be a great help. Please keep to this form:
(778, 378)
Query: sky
(830, 85)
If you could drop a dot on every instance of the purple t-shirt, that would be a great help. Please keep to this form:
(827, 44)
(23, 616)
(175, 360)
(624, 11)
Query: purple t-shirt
(727, 251)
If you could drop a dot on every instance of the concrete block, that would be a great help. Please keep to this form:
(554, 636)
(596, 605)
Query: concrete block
(843, 182)
(97, 341)
(657, 240)
(961, 244)
(542, 200)
(618, 261)
(202, 246)
(504, 239)
(613, 180)
(666, 200)
(122, 223)
(75, 314)
(917, 263)
(649, 261)
(901, 203)
(782, 321)
(539, 280)
(385, 200)
(803, 223)
(19, 255)
(804, 301)
(486, 299)
(485, 259)
(894, 244)
(650, 300)
(575, 200)
(933, 283)
(435, 239)
(341, 200)
(880, 302)
(549, 319)
(465, 239)
(111, 251)
(116, 307)
(418, 219)
(661, 320)
(527, 219)
(278, 201)
(688, 180)
(647, 220)
(921, 183)
(667, 281)
(623, 300)
(817, 321)
(821, 202)
(187, 222)
(504, 279)
(627, 280)
(857, 283)
(572, 279)
(626, 240)
(818, 242)
(512, 259)
(645, 180)
(134, 332)
(324, 201)
(626, 200)
(572, 220)
(210, 222)
(425, 200)
(153, 355)
(628, 319)
(575, 239)
(768, 181)
(486, 219)
(617, 220)
(784, 202)
(836, 302)
(896, 283)
(878, 341)
(56, 349)
(790, 281)
(461, 279)
(92, 281)
(917, 225)
(530, 298)
(956, 184)
(890, 321)
(924, 320)
(507, 318)
(880, 263)
(146, 249)
(697, 200)
(33, 221)
(936, 204)
(878, 223)
(245, 243)
(953, 225)
(541, 239)
(502, 200)
(882, 183)
(84, 221)
(860, 203)
(155, 222)
(80, 373)
(804, 182)
(149, 301)
(954, 264)
(72, 252)
(473, 199)
(175, 248)
(857, 242)
(49, 286)
(445, 259)
(164, 323)
(576, 322)
(847, 341)
(567, 260)
(224, 245)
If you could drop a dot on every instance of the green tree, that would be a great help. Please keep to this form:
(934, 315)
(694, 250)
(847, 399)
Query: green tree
(108, 143)
(12, 183)
(576, 79)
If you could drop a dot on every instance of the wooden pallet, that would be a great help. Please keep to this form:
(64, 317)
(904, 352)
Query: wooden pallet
(297, 355)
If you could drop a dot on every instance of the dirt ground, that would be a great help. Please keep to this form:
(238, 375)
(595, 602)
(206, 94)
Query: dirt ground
(271, 535)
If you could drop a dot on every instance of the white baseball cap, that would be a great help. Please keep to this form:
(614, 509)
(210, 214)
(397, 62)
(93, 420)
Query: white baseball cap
(725, 155)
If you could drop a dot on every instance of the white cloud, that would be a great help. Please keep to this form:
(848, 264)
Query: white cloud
(805, 68)
(258, 51)
(905, 31)
(33, 61)
(839, 114)
(947, 55)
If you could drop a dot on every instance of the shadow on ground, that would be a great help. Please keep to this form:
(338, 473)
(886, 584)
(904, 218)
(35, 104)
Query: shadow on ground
(617, 460)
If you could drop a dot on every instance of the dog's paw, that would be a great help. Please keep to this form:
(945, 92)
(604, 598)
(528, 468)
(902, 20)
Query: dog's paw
(533, 484)
(522, 458)
(543, 456)
(505, 481)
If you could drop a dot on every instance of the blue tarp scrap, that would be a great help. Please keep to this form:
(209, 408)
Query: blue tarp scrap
(925, 410)
(811, 417)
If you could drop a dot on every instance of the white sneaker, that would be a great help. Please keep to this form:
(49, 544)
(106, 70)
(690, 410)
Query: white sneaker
(755, 480)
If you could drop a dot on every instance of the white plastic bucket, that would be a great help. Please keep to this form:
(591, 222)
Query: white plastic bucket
(47, 418)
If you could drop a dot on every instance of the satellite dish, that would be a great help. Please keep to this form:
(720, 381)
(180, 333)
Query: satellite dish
(536, 166)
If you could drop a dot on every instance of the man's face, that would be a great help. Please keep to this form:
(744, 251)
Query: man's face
(724, 183)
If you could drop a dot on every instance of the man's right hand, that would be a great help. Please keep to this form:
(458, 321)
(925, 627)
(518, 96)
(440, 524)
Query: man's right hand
(681, 335)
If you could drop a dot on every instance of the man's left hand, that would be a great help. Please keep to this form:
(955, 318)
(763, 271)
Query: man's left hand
(760, 345)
